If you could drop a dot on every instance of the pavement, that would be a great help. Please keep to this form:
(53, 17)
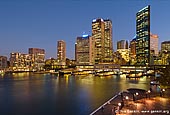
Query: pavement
(136, 103)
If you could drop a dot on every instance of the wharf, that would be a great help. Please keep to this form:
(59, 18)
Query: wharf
(136, 104)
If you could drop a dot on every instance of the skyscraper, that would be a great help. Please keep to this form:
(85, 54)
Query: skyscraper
(84, 50)
(98, 35)
(61, 52)
(132, 54)
(102, 34)
(108, 42)
(154, 43)
(143, 36)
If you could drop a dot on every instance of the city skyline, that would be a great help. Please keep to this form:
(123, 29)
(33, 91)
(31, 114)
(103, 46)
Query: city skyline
(34, 24)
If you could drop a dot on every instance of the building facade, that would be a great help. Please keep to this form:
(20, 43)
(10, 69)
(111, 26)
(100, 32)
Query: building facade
(102, 34)
(84, 50)
(165, 52)
(132, 53)
(143, 36)
(3, 62)
(122, 44)
(61, 52)
(154, 43)
(20, 62)
(108, 42)
(38, 58)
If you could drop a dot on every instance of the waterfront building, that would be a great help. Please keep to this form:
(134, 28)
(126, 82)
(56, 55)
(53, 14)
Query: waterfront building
(3, 62)
(38, 58)
(143, 36)
(132, 53)
(108, 42)
(122, 44)
(20, 62)
(165, 52)
(102, 34)
(61, 52)
(84, 50)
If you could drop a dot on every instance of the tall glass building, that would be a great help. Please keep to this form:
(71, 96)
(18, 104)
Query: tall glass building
(84, 50)
(102, 34)
(98, 35)
(143, 36)
(108, 46)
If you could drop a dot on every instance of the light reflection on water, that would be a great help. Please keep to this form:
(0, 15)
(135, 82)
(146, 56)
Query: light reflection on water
(28, 93)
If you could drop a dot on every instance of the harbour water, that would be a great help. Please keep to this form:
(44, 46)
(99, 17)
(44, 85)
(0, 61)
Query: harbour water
(42, 94)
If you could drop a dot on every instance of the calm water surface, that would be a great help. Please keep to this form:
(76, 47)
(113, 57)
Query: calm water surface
(45, 94)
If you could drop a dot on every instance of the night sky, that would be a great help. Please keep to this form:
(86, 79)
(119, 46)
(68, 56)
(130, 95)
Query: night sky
(41, 23)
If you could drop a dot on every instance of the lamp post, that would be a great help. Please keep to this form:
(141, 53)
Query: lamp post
(127, 100)
(163, 90)
(149, 93)
(119, 106)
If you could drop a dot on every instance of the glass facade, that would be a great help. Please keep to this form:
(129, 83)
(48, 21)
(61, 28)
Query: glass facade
(108, 47)
(98, 35)
(143, 36)
(83, 50)
(102, 34)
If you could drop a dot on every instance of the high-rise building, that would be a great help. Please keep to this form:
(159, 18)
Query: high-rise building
(122, 44)
(165, 52)
(61, 52)
(3, 62)
(132, 53)
(21, 62)
(98, 35)
(165, 46)
(154, 44)
(38, 58)
(108, 42)
(102, 34)
(143, 36)
(84, 50)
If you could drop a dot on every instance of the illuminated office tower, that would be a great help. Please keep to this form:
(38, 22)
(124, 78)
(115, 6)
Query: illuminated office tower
(108, 45)
(98, 35)
(122, 44)
(38, 58)
(132, 53)
(165, 52)
(154, 44)
(84, 50)
(165, 46)
(102, 34)
(143, 36)
(61, 52)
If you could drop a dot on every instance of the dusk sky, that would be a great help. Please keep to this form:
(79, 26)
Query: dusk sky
(41, 23)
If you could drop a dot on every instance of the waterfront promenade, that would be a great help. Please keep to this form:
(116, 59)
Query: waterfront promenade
(131, 103)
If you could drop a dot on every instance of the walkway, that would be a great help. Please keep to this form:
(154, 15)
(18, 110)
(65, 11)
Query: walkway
(150, 104)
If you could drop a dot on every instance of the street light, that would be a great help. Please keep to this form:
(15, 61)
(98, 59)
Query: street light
(163, 90)
(119, 105)
(126, 97)
(127, 100)
(137, 94)
(149, 93)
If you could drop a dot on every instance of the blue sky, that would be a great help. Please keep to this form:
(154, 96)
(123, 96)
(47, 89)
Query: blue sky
(41, 23)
